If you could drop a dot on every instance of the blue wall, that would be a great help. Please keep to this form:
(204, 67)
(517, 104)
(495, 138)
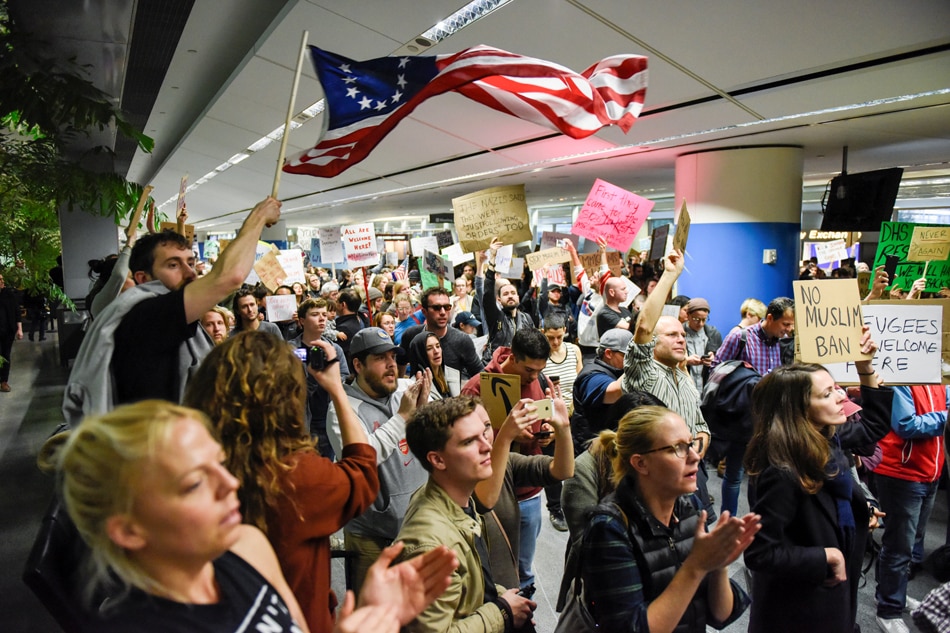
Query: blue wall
(724, 266)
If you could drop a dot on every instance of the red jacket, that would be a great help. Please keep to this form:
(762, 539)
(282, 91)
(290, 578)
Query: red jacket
(913, 449)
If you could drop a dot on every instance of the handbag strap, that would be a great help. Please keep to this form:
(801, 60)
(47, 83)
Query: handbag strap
(578, 581)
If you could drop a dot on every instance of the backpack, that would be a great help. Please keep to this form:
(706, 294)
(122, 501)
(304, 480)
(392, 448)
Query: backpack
(727, 398)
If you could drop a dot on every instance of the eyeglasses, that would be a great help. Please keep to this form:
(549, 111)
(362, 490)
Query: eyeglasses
(681, 450)
(696, 320)
(445, 307)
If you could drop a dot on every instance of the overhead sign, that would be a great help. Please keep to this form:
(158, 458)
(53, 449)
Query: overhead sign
(497, 212)
(828, 320)
(910, 342)
(612, 212)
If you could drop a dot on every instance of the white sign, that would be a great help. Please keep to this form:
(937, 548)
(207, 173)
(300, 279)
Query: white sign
(503, 259)
(516, 269)
(833, 251)
(908, 339)
(420, 245)
(281, 307)
(359, 241)
(456, 254)
(331, 246)
(292, 262)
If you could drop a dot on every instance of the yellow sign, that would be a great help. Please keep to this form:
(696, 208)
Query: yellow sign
(929, 243)
(497, 212)
(828, 320)
(499, 393)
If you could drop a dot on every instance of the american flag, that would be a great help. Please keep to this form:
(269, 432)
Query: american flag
(365, 100)
(402, 271)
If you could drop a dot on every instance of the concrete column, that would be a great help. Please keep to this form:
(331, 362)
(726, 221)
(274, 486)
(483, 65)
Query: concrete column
(744, 202)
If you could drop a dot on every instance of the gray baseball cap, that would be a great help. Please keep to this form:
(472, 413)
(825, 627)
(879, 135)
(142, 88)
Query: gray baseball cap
(372, 340)
(615, 339)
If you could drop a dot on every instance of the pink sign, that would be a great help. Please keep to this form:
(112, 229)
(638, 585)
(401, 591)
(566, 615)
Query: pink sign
(612, 212)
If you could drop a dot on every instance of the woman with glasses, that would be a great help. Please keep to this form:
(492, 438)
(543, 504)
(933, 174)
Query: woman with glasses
(648, 563)
(806, 562)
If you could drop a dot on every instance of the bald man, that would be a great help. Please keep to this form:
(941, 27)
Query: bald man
(612, 314)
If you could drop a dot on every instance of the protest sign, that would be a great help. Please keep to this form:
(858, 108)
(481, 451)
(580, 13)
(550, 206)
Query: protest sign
(497, 212)
(515, 268)
(499, 393)
(269, 270)
(828, 320)
(833, 251)
(909, 339)
(430, 280)
(281, 307)
(182, 187)
(547, 257)
(315, 252)
(554, 275)
(173, 226)
(503, 259)
(682, 229)
(438, 266)
(549, 239)
(893, 250)
(331, 246)
(443, 239)
(392, 258)
(419, 245)
(929, 243)
(291, 260)
(457, 255)
(612, 212)
(591, 263)
(359, 241)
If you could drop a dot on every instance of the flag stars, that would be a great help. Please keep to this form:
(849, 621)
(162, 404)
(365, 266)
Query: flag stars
(365, 103)
(349, 80)
(403, 62)
(381, 105)
(345, 68)
(352, 92)
(396, 97)
(401, 81)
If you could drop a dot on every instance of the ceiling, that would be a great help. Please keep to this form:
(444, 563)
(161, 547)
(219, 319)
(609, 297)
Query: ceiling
(822, 74)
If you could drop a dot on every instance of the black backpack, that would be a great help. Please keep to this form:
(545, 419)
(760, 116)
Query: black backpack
(727, 398)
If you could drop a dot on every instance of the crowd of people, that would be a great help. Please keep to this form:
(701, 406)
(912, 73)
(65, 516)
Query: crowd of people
(214, 454)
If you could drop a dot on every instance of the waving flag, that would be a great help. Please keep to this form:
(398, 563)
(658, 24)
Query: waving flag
(402, 271)
(365, 100)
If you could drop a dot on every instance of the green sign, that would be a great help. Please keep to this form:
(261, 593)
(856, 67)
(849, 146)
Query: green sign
(430, 280)
(895, 243)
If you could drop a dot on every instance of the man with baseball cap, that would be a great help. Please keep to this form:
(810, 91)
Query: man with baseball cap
(467, 322)
(702, 341)
(383, 403)
(598, 386)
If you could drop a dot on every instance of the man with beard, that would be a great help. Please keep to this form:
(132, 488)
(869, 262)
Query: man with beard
(502, 317)
(215, 323)
(458, 350)
(147, 342)
(383, 404)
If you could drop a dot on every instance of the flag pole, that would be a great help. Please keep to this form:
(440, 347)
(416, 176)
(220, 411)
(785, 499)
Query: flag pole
(290, 114)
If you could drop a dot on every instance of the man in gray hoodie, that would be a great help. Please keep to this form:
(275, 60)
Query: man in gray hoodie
(383, 404)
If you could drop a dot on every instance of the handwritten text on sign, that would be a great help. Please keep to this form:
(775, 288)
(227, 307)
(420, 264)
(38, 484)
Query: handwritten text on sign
(612, 212)
(331, 245)
(497, 212)
(929, 243)
(547, 257)
(909, 344)
(360, 242)
(895, 243)
(828, 320)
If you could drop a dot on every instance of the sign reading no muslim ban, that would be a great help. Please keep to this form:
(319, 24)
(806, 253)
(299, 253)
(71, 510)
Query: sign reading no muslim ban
(612, 212)
(909, 339)
(828, 320)
(497, 212)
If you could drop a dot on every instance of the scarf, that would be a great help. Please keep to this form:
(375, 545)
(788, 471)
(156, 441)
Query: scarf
(839, 485)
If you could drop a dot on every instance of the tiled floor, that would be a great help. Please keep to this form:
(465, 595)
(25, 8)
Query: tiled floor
(32, 410)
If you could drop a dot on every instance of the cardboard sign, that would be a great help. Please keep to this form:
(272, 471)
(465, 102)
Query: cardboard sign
(439, 267)
(499, 393)
(173, 226)
(497, 212)
(591, 263)
(682, 229)
(833, 251)
(291, 260)
(547, 257)
(359, 242)
(331, 246)
(269, 270)
(549, 239)
(612, 212)
(909, 339)
(419, 245)
(929, 243)
(828, 320)
(893, 251)
(281, 308)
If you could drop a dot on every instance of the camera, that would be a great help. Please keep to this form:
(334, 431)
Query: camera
(314, 357)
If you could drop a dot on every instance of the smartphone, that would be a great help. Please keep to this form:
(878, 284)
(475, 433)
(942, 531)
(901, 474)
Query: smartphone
(543, 408)
(543, 435)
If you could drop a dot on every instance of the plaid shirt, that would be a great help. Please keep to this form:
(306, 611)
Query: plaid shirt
(761, 350)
